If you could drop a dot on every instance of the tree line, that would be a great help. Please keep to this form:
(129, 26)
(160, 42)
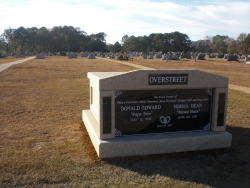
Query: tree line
(57, 39)
(73, 39)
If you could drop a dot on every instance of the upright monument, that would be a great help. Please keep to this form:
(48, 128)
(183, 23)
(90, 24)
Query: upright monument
(156, 111)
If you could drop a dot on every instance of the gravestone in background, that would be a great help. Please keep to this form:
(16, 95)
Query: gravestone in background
(3, 55)
(156, 111)
(144, 54)
(201, 57)
(212, 56)
(220, 56)
(158, 55)
(232, 58)
(72, 55)
(20, 56)
(92, 56)
(246, 58)
(150, 57)
(40, 56)
(111, 56)
(136, 54)
(185, 56)
(99, 55)
(175, 57)
(84, 54)
(171, 57)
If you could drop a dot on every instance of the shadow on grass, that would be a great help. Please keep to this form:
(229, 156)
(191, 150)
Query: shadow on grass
(89, 148)
(229, 167)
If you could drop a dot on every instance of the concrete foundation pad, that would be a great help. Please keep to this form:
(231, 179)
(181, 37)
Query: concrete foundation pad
(154, 143)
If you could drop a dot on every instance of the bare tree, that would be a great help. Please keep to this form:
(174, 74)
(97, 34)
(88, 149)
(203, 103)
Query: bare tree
(231, 46)
(240, 43)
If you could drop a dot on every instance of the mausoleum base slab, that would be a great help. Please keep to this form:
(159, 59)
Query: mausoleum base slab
(154, 143)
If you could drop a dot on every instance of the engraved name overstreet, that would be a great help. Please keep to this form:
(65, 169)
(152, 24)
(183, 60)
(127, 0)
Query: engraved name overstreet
(167, 79)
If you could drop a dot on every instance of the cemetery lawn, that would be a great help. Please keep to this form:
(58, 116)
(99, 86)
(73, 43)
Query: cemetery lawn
(9, 59)
(237, 72)
(44, 143)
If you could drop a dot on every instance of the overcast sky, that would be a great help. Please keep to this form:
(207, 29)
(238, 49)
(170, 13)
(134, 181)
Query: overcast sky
(116, 18)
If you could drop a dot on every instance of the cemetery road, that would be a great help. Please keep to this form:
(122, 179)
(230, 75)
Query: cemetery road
(7, 65)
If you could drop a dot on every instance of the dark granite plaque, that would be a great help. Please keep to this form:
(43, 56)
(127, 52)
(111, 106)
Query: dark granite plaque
(167, 79)
(106, 115)
(221, 109)
(157, 111)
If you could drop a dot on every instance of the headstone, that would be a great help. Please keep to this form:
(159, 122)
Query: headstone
(240, 56)
(175, 57)
(171, 57)
(3, 55)
(91, 56)
(212, 56)
(143, 54)
(201, 56)
(246, 58)
(111, 56)
(185, 55)
(220, 56)
(20, 56)
(158, 55)
(150, 57)
(40, 56)
(178, 54)
(84, 54)
(232, 58)
(156, 111)
(72, 55)
(136, 54)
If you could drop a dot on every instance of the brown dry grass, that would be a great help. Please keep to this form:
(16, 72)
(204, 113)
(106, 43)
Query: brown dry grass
(43, 141)
(9, 59)
(237, 72)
